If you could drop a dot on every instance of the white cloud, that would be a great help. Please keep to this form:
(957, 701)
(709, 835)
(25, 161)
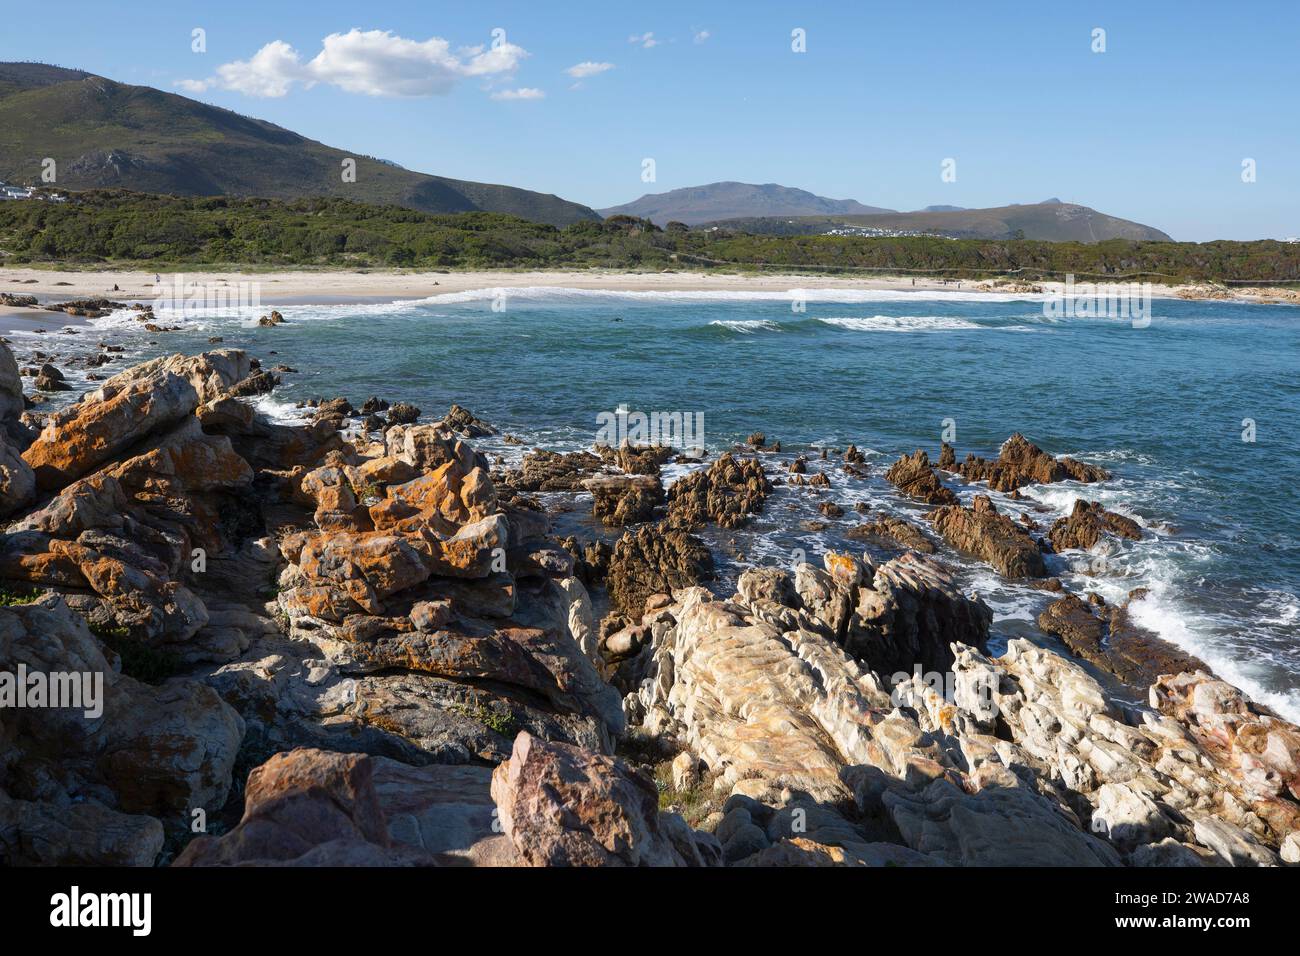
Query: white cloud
(272, 71)
(369, 62)
(523, 93)
(587, 68)
(645, 40)
(702, 35)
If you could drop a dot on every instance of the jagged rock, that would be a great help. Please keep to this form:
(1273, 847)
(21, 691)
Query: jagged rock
(403, 413)
(914, 477)
(909, 615)
(1260, 750)
(550, 471)
(654, 559)
(893, 534)
(726, 493)
(125, 409)
(1086, 524)
(462, 422)
(50, 379)
(81, 437)
(992, 537)
(638, 459)
(1231, 844)
(1020, 463)
(561, 806)
(621, 500)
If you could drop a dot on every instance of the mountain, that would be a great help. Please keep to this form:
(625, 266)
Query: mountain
(943, 209)
(108, 134)
(1050, 221)
(698, 204)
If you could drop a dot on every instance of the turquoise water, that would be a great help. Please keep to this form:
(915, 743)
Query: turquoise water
(1161, 406)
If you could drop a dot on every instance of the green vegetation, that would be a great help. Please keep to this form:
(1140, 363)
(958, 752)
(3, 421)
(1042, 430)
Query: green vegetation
(15, 596)
(144, 662)
(695, 803)
(495, 717)
(124, 228)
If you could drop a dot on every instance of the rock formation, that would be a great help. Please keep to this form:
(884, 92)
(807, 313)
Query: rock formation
(1021, 462)
(915, 477)
(990, 536)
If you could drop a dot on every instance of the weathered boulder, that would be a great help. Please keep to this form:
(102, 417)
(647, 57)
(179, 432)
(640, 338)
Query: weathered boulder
(81, 437)
(992, 537)
(915, 477)
(1086, 524)
(17, 480)
(561, 806)
(308, 808)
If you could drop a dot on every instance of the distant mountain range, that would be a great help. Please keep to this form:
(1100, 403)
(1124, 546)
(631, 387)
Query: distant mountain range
(699, 204)
(1051, 221)
(779, 210)
(108, 134)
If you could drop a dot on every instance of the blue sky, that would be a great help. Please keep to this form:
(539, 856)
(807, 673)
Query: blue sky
(1154, 129)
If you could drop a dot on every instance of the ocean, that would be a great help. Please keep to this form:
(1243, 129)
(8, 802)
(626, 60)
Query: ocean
(1196, 413)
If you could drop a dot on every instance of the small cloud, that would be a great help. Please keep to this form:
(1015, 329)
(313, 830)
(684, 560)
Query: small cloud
(580, 71)
(644, 40)
(702, 35)
(195, 86)
(523, 93)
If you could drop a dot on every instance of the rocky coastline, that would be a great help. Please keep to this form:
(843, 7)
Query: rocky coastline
(359, 640)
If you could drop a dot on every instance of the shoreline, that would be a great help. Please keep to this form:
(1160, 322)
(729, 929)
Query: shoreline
(336, 286)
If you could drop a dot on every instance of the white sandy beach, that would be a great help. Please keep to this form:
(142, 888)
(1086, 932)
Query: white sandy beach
(383, 285)
(303, 286)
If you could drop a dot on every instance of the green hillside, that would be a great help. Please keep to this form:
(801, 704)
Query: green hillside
(107, 134)
(123, 228)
